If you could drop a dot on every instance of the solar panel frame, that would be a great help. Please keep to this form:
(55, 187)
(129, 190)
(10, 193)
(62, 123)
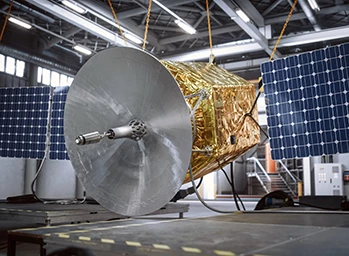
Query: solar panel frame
(58, 149)
(23, 121)
(307, 103)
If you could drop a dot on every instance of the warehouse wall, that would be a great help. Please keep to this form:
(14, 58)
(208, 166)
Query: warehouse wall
(7, 80)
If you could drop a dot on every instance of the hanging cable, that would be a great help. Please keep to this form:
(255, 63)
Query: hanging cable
(5, 22)
(117, 21)
(147, 25)
(232, 188)
(200, 198)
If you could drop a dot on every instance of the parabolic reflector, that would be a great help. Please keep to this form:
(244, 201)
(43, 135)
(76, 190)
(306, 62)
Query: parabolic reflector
(130, 177)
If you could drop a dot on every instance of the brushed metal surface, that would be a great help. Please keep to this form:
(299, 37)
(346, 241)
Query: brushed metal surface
(126, 176)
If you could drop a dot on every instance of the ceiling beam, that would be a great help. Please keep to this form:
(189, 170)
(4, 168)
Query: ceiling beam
(217, 31)
(218, 51)
(79, 21)
(272, 7)
(300, 16)
(245, 64)
(104, 10)
(313, 37)
(140, 10)
(66, 34)
(248, 27)
(289, 41)
(310, 14)
(251, 12)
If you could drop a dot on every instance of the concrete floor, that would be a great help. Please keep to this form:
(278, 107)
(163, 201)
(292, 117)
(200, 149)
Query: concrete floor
(196, 210)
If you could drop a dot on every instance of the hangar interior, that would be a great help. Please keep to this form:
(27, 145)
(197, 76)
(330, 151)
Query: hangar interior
(105, 103)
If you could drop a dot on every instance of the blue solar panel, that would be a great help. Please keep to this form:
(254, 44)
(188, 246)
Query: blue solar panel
(307, 98)
(57, 142)
(23, 121)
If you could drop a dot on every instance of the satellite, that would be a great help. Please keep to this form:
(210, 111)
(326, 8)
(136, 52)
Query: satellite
(133, 125)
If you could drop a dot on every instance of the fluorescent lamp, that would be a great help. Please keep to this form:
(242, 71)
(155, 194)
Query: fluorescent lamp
(133, 38)
(186, 27)
(82, 49)
(242, 15)
(20, 23)
(166, 9)
(74, 7)
(314, 5)
(179, 21)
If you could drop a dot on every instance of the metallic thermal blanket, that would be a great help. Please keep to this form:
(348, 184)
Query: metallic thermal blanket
(219, 116)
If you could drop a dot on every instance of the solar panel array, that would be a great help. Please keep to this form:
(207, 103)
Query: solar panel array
(23, 121)
(57, 143)
(307, 98)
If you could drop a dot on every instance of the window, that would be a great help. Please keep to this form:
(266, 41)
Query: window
(2, 63)
(70, 80)
(10, 65)
(20, 65)
(54, 79)
(46, 76)
(39, 75)
(64, 80)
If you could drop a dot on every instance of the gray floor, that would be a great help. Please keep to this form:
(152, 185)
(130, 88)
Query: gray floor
(196, 210)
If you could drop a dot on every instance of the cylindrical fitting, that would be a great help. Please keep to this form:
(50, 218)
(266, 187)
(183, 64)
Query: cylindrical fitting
(88, 138)
(120, 132)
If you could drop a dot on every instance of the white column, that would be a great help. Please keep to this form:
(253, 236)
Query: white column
(209, 187)
(307, 176)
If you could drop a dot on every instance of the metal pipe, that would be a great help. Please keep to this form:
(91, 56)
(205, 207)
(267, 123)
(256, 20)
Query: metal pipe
(310, 14)
(30, 11)
(35, 59)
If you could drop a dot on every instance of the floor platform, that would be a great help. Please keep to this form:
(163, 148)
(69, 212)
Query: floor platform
(252, 233)
(52, 214)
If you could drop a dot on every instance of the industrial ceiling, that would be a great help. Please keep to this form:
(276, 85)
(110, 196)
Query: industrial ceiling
(239, 46)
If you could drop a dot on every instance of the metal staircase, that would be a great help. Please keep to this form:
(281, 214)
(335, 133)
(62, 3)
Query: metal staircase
(278, 183)
(283, 179)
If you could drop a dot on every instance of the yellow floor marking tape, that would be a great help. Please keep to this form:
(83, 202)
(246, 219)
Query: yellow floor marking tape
(71, 225)
(224, 253)
(120, 226)
(191, 249)
(107, 241)
(161, 246)
(84, 238)
(63, 236)
(131, 243)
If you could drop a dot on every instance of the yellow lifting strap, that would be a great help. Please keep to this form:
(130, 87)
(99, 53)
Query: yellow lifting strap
(117, 21)
(211, 60)
(261, 89)
(6, 19)
(147, 25)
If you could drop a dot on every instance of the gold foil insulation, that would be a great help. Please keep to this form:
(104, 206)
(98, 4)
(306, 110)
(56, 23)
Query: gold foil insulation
(219, 116)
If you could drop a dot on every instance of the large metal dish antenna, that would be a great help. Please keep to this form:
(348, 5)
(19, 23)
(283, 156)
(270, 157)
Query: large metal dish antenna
(128, 131)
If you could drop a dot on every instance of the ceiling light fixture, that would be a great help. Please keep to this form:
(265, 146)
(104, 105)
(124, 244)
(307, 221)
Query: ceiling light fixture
(314, 5)
(133, 38)
(74, 7)
(242, 15)
(82, 49)
(20, 23)
(179, 21)
(187, 28)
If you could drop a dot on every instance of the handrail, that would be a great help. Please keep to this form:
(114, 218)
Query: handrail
(287, 170)
(254, 159)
